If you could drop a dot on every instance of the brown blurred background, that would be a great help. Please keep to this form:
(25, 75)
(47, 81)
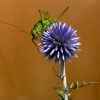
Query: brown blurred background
(24, 73)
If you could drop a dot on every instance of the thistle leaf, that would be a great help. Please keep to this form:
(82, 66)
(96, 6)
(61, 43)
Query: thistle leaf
(59, 92)
(57, 74)
(75, 85)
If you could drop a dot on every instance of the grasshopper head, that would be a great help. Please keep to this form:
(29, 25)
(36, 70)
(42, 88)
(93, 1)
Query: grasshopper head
(34, 34)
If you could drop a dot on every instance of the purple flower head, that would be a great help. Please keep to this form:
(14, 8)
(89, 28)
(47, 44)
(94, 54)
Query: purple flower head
(59, 42)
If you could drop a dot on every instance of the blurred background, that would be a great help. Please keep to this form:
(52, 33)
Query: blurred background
(24, 73)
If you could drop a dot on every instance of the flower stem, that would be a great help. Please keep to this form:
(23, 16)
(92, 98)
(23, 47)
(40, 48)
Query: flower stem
(64, 82)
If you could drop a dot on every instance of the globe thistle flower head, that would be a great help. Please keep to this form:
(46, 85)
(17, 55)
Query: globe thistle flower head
(59, 42)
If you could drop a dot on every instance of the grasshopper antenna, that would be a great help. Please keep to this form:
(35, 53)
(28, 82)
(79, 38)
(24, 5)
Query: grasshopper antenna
(61, 14)
(15, 30)
(14, 26)
(24, 32)
(27, 33)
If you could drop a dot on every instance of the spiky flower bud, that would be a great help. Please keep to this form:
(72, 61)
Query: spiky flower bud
(60, 42)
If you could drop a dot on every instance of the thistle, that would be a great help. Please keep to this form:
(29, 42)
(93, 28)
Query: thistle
(60, 42)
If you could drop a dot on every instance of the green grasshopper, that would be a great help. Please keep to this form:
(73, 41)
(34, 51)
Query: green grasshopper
(40, 26)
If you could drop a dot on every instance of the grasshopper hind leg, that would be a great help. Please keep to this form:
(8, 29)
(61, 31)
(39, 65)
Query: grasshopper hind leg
(35, 45)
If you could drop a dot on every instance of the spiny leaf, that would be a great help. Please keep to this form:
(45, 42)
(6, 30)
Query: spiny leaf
(75, 85)
(62, 98)
(57, 74)
(59, 92)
